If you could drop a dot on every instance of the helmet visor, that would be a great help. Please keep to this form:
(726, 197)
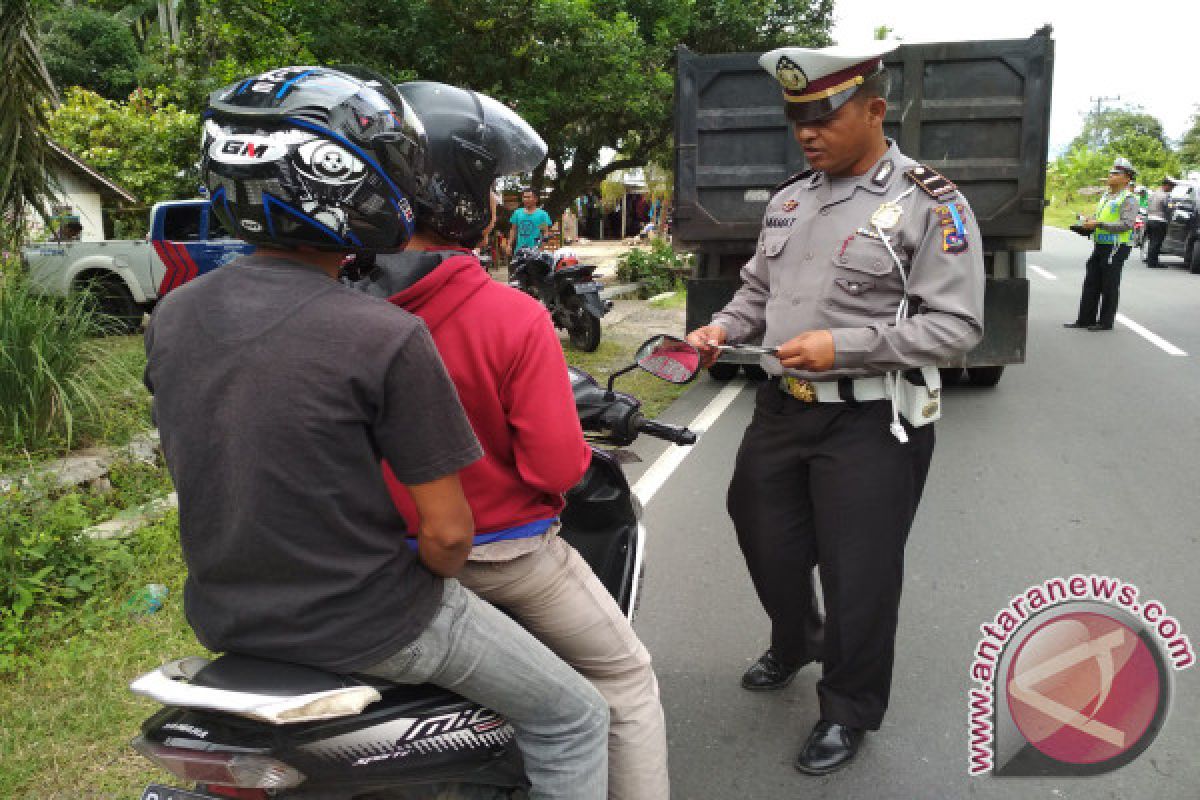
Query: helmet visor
(517, 146)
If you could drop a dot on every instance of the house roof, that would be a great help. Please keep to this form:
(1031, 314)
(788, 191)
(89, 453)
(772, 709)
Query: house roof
(79, 164)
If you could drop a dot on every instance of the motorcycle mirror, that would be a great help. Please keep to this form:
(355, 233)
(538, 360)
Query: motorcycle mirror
(669, 358)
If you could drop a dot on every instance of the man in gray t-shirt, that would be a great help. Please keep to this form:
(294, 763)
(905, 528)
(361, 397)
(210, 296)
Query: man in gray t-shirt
(277, 390)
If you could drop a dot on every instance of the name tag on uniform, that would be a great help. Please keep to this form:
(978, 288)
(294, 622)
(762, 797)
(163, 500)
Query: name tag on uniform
(780, 222)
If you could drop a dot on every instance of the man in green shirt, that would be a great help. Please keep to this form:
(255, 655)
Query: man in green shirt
(529, 225)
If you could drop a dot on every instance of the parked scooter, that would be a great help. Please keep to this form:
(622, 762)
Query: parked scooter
(567, 290)
(242, 727)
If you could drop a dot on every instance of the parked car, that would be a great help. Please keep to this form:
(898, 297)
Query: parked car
(1183, 225)
(127, 277)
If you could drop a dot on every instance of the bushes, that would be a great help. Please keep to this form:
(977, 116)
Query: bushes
(660, 268)
(50, 571)
(43, 365)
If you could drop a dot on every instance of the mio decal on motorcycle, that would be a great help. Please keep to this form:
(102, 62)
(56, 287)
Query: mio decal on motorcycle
(471, 729)
(191, 730)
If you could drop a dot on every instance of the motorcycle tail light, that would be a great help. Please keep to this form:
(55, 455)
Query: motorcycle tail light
(236, 793)
(240, 770)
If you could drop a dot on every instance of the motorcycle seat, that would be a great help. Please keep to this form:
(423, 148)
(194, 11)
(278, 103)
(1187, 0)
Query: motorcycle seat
(261, 689)
(239, 673)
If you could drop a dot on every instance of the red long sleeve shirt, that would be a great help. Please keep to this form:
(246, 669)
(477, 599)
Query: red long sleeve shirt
(501, 350)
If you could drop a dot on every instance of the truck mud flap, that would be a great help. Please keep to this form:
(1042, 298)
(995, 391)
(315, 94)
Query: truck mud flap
(1005, 321)
(707, 296)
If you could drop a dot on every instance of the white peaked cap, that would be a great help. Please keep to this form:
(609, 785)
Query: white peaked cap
(818, 81)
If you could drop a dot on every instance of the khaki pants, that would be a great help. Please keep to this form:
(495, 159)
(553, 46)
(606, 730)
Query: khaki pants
(556, 596)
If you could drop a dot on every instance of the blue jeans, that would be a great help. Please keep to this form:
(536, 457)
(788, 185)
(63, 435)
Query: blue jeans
(561, 721)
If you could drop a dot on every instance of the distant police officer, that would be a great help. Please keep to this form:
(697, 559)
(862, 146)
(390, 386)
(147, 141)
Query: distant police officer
(1156, 221)
(1112, 230)
(869, 266)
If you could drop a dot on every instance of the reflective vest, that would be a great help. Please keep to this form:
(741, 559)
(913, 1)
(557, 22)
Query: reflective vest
(1109, 210)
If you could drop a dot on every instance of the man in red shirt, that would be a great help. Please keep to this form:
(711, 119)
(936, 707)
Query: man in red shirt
(503, 355)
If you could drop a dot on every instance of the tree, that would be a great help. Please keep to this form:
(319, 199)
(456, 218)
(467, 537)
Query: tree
(1189, 145)
(1111, 125)
(586, 74)
(89, 48)
(24, 93)
(148, 144)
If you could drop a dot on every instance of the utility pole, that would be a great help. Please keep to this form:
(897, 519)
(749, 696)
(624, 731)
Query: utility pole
(1099, 101)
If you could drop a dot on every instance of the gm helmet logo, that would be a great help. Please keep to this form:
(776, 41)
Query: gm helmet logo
(234, 147)
(244, 149)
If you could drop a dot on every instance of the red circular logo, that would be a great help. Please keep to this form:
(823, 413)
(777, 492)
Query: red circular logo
(1083, 688)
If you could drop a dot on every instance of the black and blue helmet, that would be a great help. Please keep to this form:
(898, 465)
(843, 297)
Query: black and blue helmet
(312, 156)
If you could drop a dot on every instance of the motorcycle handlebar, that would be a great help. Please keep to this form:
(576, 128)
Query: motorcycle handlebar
(666, 431)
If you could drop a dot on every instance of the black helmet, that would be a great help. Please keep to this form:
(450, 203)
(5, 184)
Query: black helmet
(313, 156)
(472, 140)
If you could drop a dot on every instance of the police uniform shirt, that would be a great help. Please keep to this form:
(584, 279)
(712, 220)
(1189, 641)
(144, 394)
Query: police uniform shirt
(1157, 208)
(1129, 212)
(820, 264)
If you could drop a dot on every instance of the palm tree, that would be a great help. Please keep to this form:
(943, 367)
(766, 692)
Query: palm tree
(25, 181)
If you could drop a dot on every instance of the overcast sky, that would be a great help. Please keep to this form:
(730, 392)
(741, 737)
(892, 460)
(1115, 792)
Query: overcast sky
(1162, 77)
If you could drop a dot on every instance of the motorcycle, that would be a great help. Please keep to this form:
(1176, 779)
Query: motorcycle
(249, 728)
(566, 288)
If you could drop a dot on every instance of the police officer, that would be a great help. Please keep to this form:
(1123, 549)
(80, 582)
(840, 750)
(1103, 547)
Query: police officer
(1156, 221)
(868, 265)
(1112, 230)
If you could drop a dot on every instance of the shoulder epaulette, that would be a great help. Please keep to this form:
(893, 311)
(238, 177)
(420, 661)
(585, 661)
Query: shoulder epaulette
(799, 176)
(932, 182)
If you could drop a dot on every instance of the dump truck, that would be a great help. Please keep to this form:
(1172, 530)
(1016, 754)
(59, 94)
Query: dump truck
(978, 112)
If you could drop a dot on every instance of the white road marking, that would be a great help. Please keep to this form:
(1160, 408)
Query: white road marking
(653, 478)
(1045, 273)
(1150, 336)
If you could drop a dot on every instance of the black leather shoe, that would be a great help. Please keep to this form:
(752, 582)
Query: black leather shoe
(1076, 325)
(1099, 327)
(769, 673)
(830, 747)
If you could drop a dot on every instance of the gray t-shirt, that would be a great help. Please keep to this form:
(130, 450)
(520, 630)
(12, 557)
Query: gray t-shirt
(277, 392)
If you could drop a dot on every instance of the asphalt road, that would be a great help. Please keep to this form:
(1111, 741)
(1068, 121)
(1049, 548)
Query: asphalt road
(1083, 460)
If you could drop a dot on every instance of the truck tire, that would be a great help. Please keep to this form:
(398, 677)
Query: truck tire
(116, 309)
(984, 376)
(1193, 261)
(723, 372)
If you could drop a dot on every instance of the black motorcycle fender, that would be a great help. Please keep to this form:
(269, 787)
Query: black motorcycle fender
(592, 302)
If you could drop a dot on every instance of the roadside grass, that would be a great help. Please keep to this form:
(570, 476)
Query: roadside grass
(117, 406)
(1062, 214)
(45, 380)
(677, 299)
(69, 716)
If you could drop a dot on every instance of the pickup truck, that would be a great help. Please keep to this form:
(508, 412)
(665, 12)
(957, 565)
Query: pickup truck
(127, 277)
